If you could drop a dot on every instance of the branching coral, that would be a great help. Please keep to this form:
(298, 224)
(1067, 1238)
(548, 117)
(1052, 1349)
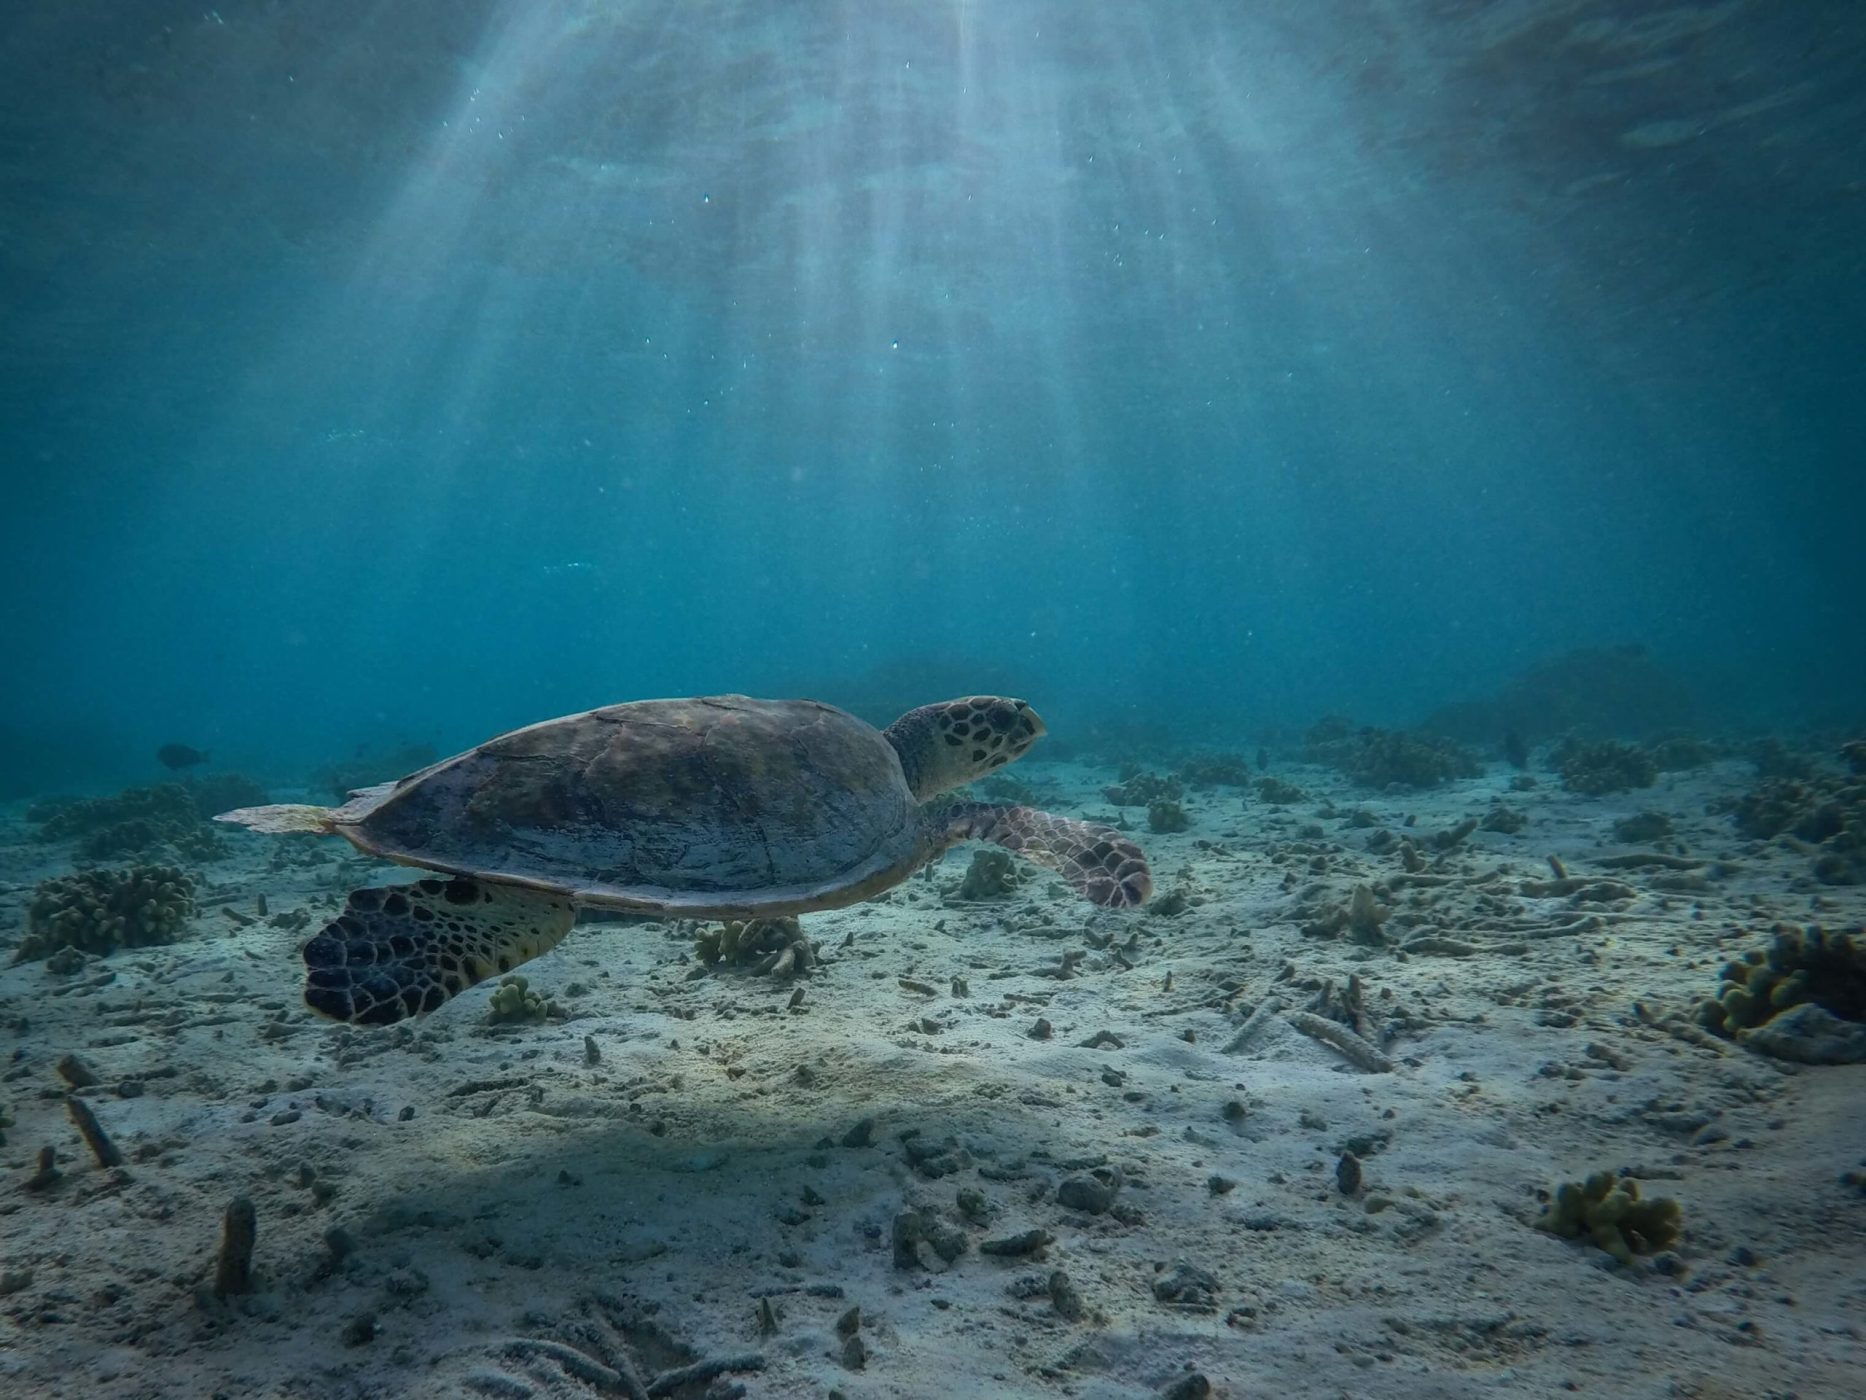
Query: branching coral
(1801, 967)
(1776, 805)
(1827, 812)
(1608, 766)
(1167, 817)
(98, 910)
(1608, 1210)
(1384, 758)
(770, 947)
(1279, 793)
(514, 1001)
(992, 874)
(1843, 862)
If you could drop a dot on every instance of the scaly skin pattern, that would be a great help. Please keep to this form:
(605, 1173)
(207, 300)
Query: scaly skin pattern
(1099, 862)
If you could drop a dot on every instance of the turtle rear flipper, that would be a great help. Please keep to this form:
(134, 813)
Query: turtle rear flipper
(281, 818)
(1101, 863)
(403, 950)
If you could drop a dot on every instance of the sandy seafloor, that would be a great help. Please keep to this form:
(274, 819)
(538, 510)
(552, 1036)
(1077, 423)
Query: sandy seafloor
(516, 1219)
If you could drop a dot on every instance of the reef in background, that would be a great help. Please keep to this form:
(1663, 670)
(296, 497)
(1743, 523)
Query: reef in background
(145, 822)
(1384, 758)
(98, 911)
(1824, 811)
(1599, 691)
(1600, 768)
(339, 780)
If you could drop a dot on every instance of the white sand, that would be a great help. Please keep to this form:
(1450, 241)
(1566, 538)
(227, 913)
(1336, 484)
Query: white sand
(685, 1173)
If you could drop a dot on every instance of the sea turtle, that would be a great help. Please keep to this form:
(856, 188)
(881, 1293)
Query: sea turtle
(715, 807)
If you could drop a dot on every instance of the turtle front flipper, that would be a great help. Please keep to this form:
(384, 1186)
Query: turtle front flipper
(1101, 863)
(402, 950)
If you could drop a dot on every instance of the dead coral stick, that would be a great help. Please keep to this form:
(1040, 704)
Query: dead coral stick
(75, 1072)
(48, 1170)
(1341, 1038)
(1590, 923)
(1640, 860)
(682, 1376)
(93, 1132)
(1266, 1008)
(1675, 1025)
(1449, 947)
(583, 1368)
(233, 1266)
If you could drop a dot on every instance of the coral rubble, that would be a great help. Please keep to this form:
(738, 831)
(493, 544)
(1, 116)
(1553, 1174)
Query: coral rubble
(1360, 918)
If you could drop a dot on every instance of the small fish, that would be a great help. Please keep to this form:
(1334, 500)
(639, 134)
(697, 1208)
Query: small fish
(178, 756)
(572, 569)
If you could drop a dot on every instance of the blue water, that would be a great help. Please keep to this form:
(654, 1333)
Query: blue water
(380, 373)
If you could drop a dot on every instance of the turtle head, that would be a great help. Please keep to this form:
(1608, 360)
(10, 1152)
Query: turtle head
(950, 744)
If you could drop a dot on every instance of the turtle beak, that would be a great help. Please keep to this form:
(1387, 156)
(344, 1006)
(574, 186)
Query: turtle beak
(1032, 721)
